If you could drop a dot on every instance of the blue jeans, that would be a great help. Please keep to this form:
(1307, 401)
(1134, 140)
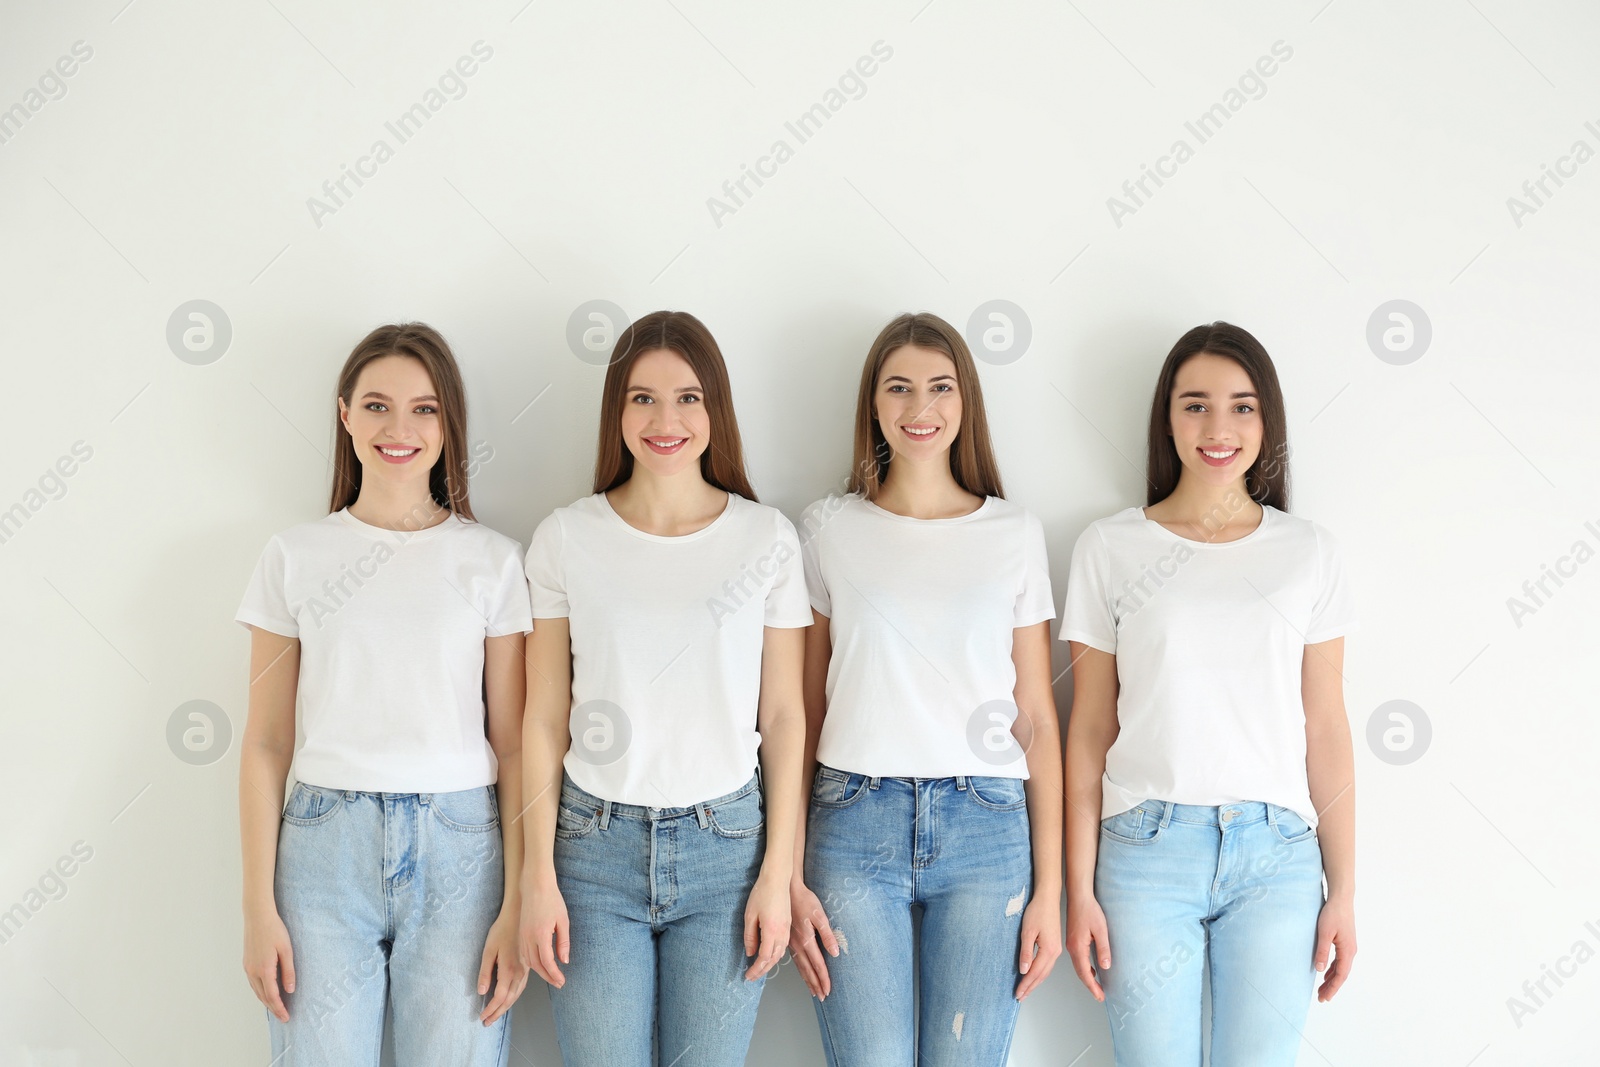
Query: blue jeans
(959, 849)
(1231, 891)
(656, 900)
(388, 897)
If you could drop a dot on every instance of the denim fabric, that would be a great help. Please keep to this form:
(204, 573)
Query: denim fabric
(656, 899)
(388, 897)
(958, 848)
(1231, 891)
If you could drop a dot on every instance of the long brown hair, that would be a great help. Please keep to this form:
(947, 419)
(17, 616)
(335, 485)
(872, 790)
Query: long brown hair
(971, 455)
(1267, 480)
(447, 481)
(722, 463)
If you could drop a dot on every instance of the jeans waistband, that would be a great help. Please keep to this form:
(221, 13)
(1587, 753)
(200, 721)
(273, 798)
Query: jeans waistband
(610, 809)
(1236, 813)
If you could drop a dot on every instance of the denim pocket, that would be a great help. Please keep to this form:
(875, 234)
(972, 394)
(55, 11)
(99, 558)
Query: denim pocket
(836, 789)
(471, 811)
(574, 819)
(1136, 826)
(998, 794)
(740, 817)
(309, 805)
(1290, 827)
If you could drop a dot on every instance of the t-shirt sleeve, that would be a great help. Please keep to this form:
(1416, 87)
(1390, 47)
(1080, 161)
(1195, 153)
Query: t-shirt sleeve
(787, 604)
(1035, 602)
(810, 548)
(265, 603)
(547, 583)
(1334, 613)
(1086, 615)
(509, 610)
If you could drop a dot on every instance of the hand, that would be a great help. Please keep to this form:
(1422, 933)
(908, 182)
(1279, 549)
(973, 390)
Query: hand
(766, 925)
(810, 924)
(502, 962)
(1041, 942)
(543, 918)
(267, 952)
(1336, 931)
(1087, 939)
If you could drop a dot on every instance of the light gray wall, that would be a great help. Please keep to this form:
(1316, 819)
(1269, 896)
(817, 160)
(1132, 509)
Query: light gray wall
(1374, 164)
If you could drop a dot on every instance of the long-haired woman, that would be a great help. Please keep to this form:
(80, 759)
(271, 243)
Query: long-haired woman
(1210, 782)
(396, 622)
(665, 662)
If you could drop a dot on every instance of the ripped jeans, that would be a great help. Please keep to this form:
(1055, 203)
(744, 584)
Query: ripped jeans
(958, 849)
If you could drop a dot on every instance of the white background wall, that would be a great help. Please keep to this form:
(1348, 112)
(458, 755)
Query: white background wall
(1375, 165)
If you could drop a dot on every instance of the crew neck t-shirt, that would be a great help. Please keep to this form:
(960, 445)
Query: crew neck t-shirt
(391, 625)
(1209, 640)
(921, 683)
(666, 635)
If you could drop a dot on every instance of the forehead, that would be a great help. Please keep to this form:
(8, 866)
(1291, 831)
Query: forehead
(916, 363)
(661, 369)
(395, 374)
(1212, 374)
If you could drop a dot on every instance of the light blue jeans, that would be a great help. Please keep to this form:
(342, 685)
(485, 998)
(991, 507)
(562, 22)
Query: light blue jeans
(958, 849)
(388, 897)
(656, 900)
(1232, 892)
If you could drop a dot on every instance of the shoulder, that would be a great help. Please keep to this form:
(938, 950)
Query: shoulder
(759, 519)
(1116, 527)
(310, 536)
(816, 516)
(487, 540)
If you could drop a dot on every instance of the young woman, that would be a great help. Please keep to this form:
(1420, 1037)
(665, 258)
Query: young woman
(1210, 784)
(929, 710)
(397, 622)
(667, 648)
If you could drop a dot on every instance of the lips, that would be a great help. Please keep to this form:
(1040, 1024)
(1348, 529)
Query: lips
(398, 453)
(665, 446)
(1218, 457)
(919, 432)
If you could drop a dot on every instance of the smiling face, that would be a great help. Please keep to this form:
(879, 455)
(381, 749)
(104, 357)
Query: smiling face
(918, 403)
(665, 422)
(1215, 419)
(394, 420)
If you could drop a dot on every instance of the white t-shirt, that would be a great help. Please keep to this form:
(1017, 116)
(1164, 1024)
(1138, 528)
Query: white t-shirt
(1209, 640)
(921, 613)
(391, 626)
(666, 637)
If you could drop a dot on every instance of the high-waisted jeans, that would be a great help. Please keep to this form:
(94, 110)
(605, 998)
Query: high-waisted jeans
(656, 899)
(1232, 892)
(388, 897)
(959, 849)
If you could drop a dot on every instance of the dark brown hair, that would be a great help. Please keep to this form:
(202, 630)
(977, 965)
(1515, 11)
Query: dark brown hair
(722, 463)
(447, 481)
(1267, 480)
(971, 455)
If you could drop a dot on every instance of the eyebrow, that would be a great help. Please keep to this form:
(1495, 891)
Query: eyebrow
(935, 378)
(380, 396)
(1202, 394)
(683, 389)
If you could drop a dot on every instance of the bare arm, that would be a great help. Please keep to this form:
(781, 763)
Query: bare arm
(505, 686)
(1091, 729)
(781, 719)
(809, 921)
(1038, 731)
(546, 737)
(264, 757)
(1330, 772)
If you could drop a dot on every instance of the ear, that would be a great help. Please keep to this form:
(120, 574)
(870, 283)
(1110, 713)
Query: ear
(344, 414)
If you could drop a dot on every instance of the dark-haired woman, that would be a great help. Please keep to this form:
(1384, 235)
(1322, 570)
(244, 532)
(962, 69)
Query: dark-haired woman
(384, 880)
(667, 647)
(1210, 782)
(930, 714)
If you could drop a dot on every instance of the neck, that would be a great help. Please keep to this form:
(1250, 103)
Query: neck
(925, 490)
(665, 502)
(1195, 502)
(396, 507)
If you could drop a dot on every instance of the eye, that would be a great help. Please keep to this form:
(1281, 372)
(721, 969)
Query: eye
(1194, 405)
(690, 398)
(427, 409)
(944, 387)
(374, 405)
(642, 398)
(1245, 409)
(896, 387)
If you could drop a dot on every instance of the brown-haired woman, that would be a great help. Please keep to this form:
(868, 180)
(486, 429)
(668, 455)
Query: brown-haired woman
(667, 647)
(397, 621)
(1209, 775)
(929, 710)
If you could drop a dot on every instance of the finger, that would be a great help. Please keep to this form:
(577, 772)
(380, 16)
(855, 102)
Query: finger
(286, 962)
(274, 1002)
(819, 966)
(485, 969)
(547, 956)
(564, 939)
(1027, 950)
(803, 966)
(750, 937)
(1102, 941)
(1324, 946)
(819, 919)
(1079, 952)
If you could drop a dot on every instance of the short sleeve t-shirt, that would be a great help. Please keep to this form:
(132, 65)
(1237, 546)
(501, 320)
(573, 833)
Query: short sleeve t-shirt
(1209, 640)
(921, 612)
(666, 635)
(391, 625)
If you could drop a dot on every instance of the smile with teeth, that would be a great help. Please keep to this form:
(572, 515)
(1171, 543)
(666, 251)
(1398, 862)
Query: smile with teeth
(1219, 457)
(921, 431)
(665, 446)
(398, 453)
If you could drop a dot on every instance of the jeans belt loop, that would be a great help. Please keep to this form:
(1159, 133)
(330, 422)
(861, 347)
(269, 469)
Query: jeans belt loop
(961, 783)
(605, 814)
(872, 783)
(703, 813)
